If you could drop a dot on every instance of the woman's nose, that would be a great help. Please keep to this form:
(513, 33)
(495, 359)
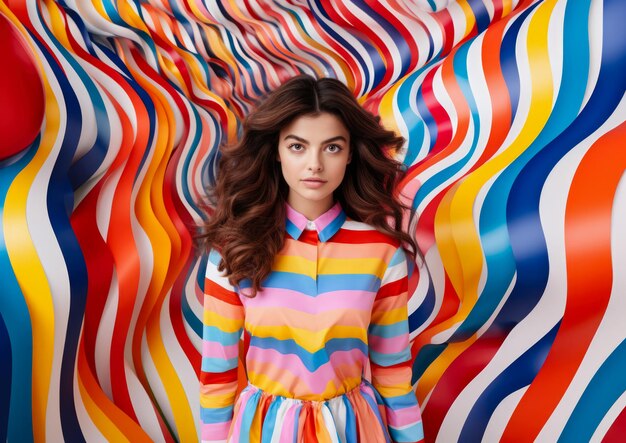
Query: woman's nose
(315, 163)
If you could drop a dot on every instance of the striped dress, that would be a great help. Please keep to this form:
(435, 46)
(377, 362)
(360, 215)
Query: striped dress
(327, 347)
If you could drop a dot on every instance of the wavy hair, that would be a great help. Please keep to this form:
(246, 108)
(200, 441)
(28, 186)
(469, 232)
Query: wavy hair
(247, 226)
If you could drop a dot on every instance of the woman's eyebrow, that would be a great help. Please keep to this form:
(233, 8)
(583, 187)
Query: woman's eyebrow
(301, 140)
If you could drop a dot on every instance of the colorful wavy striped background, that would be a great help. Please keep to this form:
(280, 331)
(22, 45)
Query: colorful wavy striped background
(111, 113)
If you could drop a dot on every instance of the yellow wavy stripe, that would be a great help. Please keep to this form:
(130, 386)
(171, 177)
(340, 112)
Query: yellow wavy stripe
(23, 255)
(104, 424)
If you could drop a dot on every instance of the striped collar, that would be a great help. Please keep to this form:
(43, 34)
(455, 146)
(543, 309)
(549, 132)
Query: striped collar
(326, 224)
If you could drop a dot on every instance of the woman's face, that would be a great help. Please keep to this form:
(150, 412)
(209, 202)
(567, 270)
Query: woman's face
(313, 151)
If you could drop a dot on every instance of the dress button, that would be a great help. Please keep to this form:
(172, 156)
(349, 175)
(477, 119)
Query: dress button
(310, 225)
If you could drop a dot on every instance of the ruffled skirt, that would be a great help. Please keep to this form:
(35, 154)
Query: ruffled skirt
(354, 417)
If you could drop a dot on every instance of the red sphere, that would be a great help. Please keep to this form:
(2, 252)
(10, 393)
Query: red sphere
(21, 92)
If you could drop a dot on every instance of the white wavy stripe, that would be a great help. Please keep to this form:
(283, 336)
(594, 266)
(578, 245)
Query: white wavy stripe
(113, 147)
(437, 276)
(416, 299)
(102, 353)
(178, 124)
(417, 31)
(142, 404)
(596, 34)
(187, 40)
(555, 44)
(211, 138)
(480, 94)
(612, 329)
(86, 104)
(189, 149)
(444, 100)
(356, 46)
(185, 371)
(87, 426)
(461, 25)
(192, 294)
(525, 87)
(197, 44)
(431, 24)
(156, 384)
(479, 90)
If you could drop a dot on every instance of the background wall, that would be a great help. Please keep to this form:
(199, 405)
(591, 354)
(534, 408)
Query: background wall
(111, 113)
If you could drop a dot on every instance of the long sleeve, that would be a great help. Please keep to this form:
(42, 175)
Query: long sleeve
(223, 319)
(390, 355)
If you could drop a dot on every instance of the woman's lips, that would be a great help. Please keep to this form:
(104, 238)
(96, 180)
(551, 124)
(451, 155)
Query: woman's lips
(314, 183)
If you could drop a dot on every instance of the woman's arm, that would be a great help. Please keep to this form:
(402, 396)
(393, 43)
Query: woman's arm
(390, 355)
(222, 320)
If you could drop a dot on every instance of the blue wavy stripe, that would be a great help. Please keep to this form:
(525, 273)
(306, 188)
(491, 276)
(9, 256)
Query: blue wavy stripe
(388, 331)
(247, 415)
(481, 14)
(518, 375)
(311, 360)
(84, 168)
(325, 282)
(606, 386)
(5, 379)
(413, 122)
(508, 61)
(390, 358)
(16, 317)
(270, 419)
(418, 317)
(427, 354)
(60, 202)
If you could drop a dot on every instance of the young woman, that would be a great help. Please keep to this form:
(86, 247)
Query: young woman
(307, 260)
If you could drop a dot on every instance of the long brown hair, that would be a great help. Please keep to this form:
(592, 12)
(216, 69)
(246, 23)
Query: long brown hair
(247, 226)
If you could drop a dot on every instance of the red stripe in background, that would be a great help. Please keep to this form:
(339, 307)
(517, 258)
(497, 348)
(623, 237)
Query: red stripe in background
(589, 282)
(455, 379)
(617, 431)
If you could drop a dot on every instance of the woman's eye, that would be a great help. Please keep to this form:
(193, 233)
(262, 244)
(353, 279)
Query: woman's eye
(296, 147)
(333, 148)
